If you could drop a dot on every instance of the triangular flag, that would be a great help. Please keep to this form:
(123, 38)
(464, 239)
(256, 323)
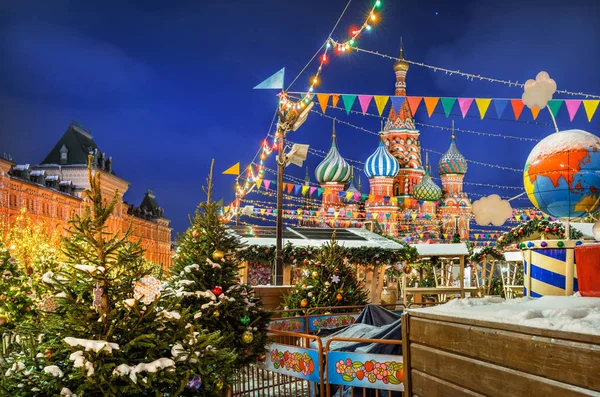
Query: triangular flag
(381, 101)
(290, 187)
(297, 189)
(517, 106)
(430, 104)
(258, 183)
(590, 107)
(554, 105)
(262, 211)
(312, 190)
(320, 191)
(305, 190)
(483, 104)
(267, 183)
(334, 100)
(275, 82)
(572, 107)
(348, 102)
(365, 101)
(448, 104)
(500, 105)
(233, 170)
(323, 101)
(284, 186)
(464, 104)
(397, 102)
(349, 195)
(413, 102)
(535, 111)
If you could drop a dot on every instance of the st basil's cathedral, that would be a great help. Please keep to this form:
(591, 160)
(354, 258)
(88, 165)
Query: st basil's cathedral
(403, 198)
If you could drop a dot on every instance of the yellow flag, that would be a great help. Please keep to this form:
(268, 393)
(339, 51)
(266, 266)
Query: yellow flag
(381, 101)
(483, 104)
(233, 170)
(590, 107)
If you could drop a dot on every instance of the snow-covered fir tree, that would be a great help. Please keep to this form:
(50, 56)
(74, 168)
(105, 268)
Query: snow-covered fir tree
(206, 274)
(108, 328)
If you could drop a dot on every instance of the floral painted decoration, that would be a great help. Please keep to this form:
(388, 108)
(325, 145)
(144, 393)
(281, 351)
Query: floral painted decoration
(294, 362)
(388, 372)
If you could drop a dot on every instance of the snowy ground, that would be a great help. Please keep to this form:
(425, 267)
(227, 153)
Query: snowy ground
(560, 313)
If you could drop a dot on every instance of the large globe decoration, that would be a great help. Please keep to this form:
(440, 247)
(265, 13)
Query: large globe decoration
(562, 174)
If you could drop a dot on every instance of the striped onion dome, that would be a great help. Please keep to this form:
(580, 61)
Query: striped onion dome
(381, 163)
(333, 168)
(452, 162)
(427, 189)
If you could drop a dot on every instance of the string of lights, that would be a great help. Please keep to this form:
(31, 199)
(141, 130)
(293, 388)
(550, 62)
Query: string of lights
(470, 76)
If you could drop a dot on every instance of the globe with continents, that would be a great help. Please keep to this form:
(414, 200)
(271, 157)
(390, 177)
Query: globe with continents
(562, 174)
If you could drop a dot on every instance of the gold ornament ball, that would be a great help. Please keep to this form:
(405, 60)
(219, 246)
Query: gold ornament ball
(48, 353)
(303, 286)
(219, 384)
(339, 297)
(304, 302)
(247, 337)
(218, 255)
(217, 314)
(315, 274)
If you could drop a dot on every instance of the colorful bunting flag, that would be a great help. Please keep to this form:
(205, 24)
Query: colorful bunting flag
(397, 102)
(500, 105)
(413, 103)
(348, 102)
(305, 190)
(258, 183)
(320, 191)
(430, 104)
(465, 105)
(290, 187)
(323, 101)
(380, 102)
(517, 106)
(334, 100)
(312, 190)
(535, 111)
(590, 107)
(267, 183)
(297, 189)
(554, 105)
(483, 104)
(448, 104)
(572, 107)
(365, 101)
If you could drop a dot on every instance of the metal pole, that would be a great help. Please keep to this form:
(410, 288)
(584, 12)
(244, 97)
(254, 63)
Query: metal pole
(237, 200)
(279, 228)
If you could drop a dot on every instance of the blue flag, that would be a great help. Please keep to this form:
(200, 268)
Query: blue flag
(275, 82)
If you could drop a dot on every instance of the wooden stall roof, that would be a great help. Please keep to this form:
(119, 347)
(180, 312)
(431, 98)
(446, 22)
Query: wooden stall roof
(314, 237)
(446, 250)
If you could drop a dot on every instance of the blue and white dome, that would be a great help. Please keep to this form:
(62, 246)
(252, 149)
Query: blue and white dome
(381, 163)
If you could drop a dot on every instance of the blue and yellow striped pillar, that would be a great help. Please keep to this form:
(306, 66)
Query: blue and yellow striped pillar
(549, 267)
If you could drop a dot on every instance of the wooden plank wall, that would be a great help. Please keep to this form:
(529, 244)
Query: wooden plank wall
(445, 358)
(272, 297)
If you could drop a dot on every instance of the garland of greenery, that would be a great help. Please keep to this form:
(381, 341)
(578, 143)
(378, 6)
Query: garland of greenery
(552, 230)
(355, 255)
(486, 252)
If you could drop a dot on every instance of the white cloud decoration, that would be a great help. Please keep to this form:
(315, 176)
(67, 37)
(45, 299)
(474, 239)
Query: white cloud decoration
(539, 91)
(491, 209)
(596, 230)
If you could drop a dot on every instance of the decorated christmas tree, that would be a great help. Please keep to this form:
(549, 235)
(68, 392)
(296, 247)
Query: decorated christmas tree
(16, 302)
(206, 275)
(327, 281)
(107, 327)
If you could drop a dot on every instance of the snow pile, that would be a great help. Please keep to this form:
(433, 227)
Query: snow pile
(67, 393)
(54, 371)
(558, 313)
(86, 268)
(213, 264)
(169, 315)
(132, 371)
(190, 268)
(92, 345)
(16, 367)
(562, 142)
(80, 361)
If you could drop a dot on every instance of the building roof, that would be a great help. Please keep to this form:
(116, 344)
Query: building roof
(381, 163)
(425, 250)
(78, 141)
(452, 162)
(427, 189)
(313, 237)
(333, 168)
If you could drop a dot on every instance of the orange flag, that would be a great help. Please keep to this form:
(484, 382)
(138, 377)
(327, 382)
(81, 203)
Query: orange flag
(430, 104)
(517, 106)
(323, 101)
(334, 100)
(413, 102)
(535, 111)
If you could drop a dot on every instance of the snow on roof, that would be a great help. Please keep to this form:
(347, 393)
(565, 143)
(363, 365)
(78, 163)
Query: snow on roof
(559, 313)
(38, 173)
(584, 228)
(441, 249)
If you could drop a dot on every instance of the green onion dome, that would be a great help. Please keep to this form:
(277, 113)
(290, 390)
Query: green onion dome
(427, 190)
(333, 168)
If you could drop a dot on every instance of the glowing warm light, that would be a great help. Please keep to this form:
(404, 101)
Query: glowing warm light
(324, 58)
(373, 17)
(315, 80)
(13, 247)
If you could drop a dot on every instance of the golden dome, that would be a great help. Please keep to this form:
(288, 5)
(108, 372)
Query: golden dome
(401, 64)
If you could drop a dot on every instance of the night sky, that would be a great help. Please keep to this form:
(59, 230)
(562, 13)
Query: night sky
(166, 86)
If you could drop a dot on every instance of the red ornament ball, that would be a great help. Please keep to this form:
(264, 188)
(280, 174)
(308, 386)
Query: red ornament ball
(554, 229)
(217, 290)
(318, 264)
(547, 230)
(195, 234)
(521, 231)
(337, 271)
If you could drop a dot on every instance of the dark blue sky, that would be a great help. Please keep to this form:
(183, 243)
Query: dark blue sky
(166, 86)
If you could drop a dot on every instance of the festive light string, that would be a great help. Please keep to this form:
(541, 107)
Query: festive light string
(469, 75)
